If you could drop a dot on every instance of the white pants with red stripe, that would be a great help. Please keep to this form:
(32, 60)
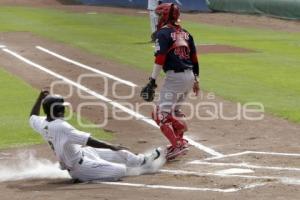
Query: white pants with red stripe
(105, 164)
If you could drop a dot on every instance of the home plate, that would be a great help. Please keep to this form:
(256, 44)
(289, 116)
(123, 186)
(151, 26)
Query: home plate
(234, 171)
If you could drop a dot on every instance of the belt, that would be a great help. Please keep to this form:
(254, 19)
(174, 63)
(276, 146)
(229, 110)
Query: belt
(180, 70)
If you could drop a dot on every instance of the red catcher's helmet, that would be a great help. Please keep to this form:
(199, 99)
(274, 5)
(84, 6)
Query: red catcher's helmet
(168, 13)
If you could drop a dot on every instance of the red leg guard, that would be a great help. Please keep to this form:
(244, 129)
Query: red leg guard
(170, 127)
(168, 131)
(179, 124)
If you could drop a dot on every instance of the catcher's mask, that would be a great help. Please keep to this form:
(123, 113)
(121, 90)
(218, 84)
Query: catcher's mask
(168, 13)
(54, 106)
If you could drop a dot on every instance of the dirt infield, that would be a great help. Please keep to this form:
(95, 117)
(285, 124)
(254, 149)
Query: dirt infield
(215, 48)
(265, 147)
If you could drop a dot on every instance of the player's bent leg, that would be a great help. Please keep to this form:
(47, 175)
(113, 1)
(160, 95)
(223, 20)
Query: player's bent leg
(98, 170)
(124, 157)
(131, 159)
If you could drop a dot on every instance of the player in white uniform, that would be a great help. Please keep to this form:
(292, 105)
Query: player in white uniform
(84, 157)
(152, 5)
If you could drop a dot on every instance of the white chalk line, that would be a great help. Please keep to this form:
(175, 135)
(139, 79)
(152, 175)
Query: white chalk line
(105, 99)
(192, 142)
(202, 147)
(235, 171)
(245, 165)
(253, 152)
(86, 67)
(121, 107)
(81, 87)
(282, 179)
(2, 46)
(5, 154)
(228, 190)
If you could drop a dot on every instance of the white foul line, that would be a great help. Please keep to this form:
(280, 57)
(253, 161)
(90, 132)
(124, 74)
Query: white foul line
(2, 46)
(141, 117)
(185, 188)
(105, 99)
(86, 67)
(204, 148)
(253, 152)
(81, 87)
(199, 162)
(274, 153)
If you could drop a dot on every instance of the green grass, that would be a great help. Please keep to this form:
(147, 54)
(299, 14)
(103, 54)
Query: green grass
(16, 101)
(271, 75)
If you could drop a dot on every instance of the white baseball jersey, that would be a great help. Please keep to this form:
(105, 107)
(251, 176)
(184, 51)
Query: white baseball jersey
(65, 140)
(84, 163)
(152, 4)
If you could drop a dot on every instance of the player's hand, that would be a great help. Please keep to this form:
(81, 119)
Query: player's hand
(44, 92)
(196, 88)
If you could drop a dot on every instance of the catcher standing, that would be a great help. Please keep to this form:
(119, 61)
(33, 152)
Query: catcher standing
(175, 53)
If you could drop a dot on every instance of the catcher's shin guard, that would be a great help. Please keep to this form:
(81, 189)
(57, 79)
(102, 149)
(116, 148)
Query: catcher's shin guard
(170, 127)
(168, 131)
(179, 124)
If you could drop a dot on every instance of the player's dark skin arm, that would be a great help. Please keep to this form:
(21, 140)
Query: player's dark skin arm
(37, 106)
(92, 142)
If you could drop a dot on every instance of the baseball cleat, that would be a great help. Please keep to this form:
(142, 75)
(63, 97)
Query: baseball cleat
(153, 161)
(154, 155)
(177, 151)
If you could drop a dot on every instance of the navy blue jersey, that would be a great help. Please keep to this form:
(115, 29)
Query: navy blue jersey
(175, 50)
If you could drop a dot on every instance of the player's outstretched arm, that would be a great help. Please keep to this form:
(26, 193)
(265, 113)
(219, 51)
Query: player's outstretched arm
(37, 105)
(92, 142)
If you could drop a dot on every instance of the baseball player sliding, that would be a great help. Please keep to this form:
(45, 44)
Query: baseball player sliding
(176, 54)
(84, 157)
